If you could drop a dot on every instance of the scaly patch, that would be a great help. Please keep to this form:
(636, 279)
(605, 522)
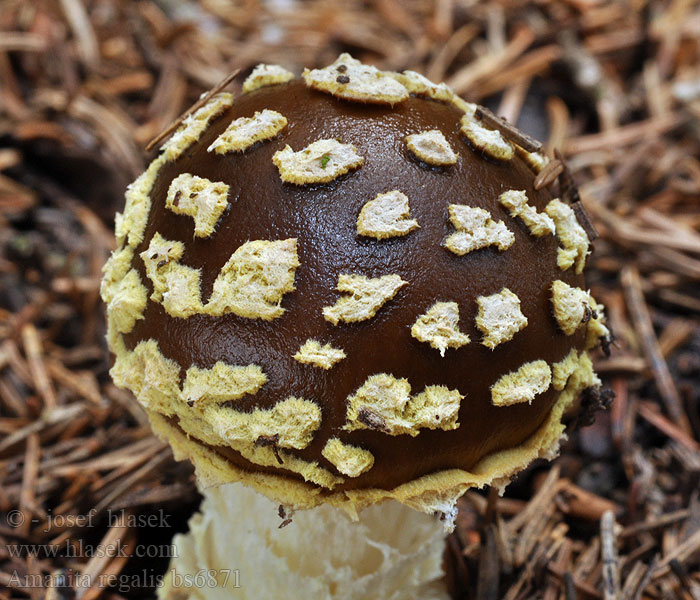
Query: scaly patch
(365, 296)
(571, 306)
(420, 85)
(199, 198)
(153, 378)
(320, 162)
(475, 230)
(431, 147)
(265, 75)
(572, 237)
(114, 270)
(282, 427)
(348, 78)
(268, 455)
(221, 383)
(439, 327)
(384, 403)
(264, 451)
(562, 370)
(176, 286)
(194, 125)
(436, 407)
(499, 317)
(253, 281)
(488, 141)
(244, 132)
(290, 423)
(126, 301)
(313, 353)
(523, 385)
(349, 460)
(251, 284)
(379, 404)
(516, 202)
(597, 332)
(131, 226)
(583, 376)
(386, 216)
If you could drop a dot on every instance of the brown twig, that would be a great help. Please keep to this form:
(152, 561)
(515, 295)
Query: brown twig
(192, 109)
(640, 315)
(509, 131)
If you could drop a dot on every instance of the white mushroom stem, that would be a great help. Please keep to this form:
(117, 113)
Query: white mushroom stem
(236, 549)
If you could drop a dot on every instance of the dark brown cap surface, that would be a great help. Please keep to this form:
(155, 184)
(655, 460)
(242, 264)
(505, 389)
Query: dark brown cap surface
(323, 219)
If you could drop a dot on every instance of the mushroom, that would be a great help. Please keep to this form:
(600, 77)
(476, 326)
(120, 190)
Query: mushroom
(345, 291)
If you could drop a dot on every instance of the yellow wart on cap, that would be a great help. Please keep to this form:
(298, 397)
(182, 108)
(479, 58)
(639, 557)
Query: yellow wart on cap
(386, 216)
(583, 376)
(597, 332)
(436, 407)
(439, 327)
(571, 236)
(499, 317)
(244, 132)
(153, 378)
(384, 403)
(570, 306)
(176, 286)
(379, 404)
(574, 373)
(221, 383)
(312, 353)
(265, 75)
(420, 85)
(251, 284)
(431, 147)
(208, 426)
(253, 281)
(349, 460)
(476, 229)
(348, 78)
(516, 202)
(131, 226)
(114, 270)
(365, 296)
(269, 456)
(160, 254)
(523, 385)
(488, 141)
(194, 125)
(320, 162)
(126, 301)
(562, 370)
(199, 198)
(290, 423)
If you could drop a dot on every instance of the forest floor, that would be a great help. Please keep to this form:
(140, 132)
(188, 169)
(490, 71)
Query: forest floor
(615, 86)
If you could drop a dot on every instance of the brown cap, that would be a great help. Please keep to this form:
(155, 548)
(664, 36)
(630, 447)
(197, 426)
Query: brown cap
(346, 287)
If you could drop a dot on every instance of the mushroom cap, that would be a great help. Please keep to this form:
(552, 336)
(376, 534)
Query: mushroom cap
(346, 288)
